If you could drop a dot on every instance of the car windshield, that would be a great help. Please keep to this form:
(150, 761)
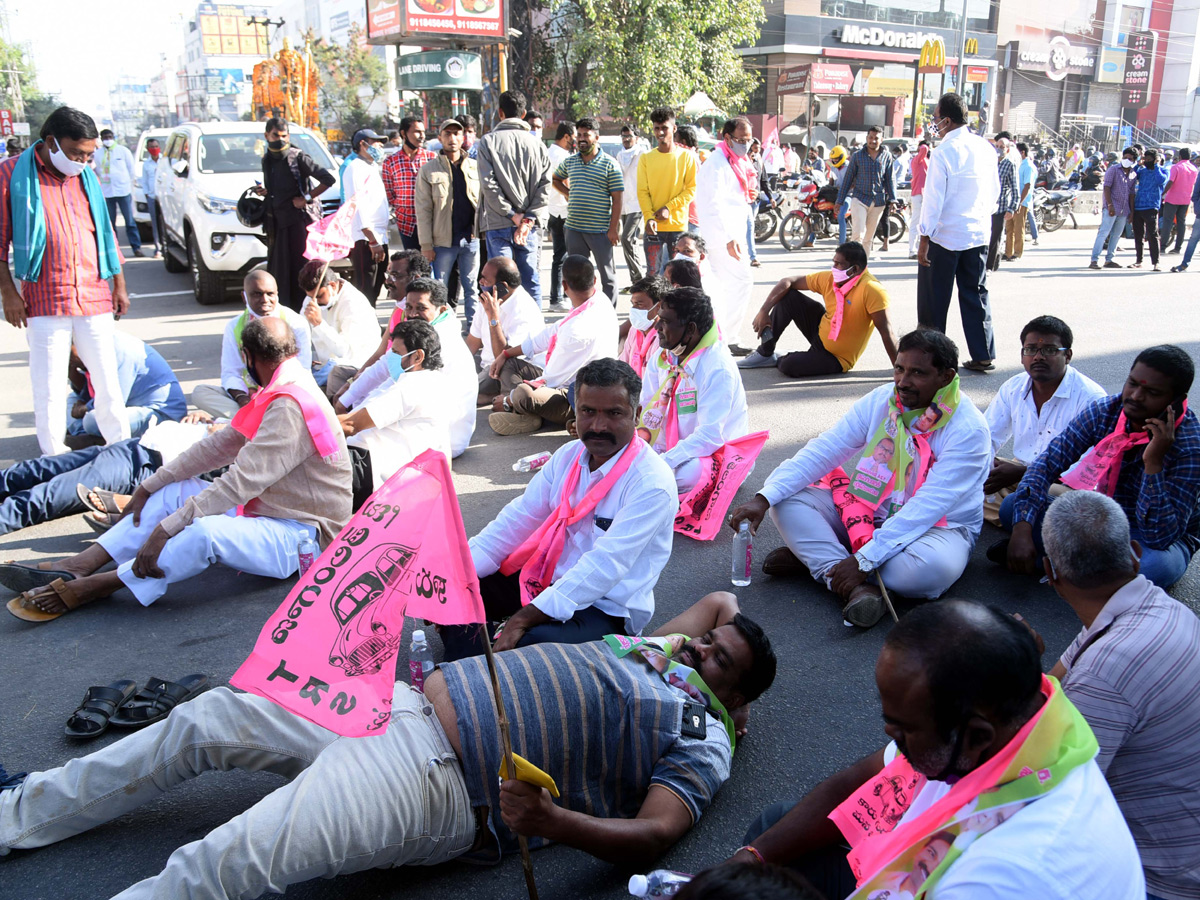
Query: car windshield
(244, 152)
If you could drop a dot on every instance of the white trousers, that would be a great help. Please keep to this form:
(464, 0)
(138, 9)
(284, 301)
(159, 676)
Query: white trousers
(254, 544)
(686, 475)
(863, 222)
(914, 232)
(352, 803)
(736, 284)
(925, 569)
(50, 339)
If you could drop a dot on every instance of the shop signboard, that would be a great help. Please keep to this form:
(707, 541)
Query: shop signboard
(1056, 59)
(1110, 67)
(225, 30)
(439, 70)
(816, 78)
(977, 74)
(932, 60)
(1139, 69)
(390, 21)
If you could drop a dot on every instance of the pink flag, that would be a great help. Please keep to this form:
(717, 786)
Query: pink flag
(328, 653)
(330, 238)
(702, 510)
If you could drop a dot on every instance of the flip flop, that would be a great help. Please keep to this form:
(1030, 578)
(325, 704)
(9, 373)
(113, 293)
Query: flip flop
(107, 504)
(27, 578)
(91, 719)
(99, 522)
(23, 608)
(155, 701)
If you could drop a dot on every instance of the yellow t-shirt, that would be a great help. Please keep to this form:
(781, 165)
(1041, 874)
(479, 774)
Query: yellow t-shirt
(667, 179)
(868, 296)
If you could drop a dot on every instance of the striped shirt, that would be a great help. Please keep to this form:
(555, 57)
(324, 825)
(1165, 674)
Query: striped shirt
(70, 282)
(868, 179)
(589, 205)
(399, 173)
(1008, 187)
(1135, 676)
(1162, 508)
(605, 729)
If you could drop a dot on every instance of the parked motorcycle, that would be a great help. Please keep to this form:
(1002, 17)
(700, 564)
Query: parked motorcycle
(1052, 209)
(816, 217)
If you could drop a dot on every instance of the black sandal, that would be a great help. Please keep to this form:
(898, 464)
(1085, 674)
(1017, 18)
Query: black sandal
(99, 704)
(155, 701)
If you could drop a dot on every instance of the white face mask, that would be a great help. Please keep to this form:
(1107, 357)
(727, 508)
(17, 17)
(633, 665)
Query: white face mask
(1127, 163)
(640, 319)
(108, 142)
(681, 255)
(64, 164)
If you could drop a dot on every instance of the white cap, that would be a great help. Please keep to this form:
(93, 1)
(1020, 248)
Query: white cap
(639, 885)
(418, 636)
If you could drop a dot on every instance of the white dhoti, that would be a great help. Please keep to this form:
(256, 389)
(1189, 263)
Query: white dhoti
(925, 569)
(736, 286)
(687, 475)
(254, 544)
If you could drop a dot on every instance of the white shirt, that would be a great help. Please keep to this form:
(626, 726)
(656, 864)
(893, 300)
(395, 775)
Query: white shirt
(363, 180)
(520, 318)
(458, 363)
(900, 168)
(773, 160)
(628, 161)
(962, 453)
(232, 369)
(1012, 413)
(719, 411)
(149, 174)
(721, 204)
(557, 202)
(588, 335)
(349, 330)
(410, 416)
(612, 568)
(114, 167)
(962, 187)
(1072, 843)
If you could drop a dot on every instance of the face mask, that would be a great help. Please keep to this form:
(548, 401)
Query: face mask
(640, 318)
(841, 276)
(536, 132)
(1127, 164)
(108, 142)
(376, 153)
(739, 149)
(250, 371)
(395, 363)
(277, 147)
(66, 166)
(682, 255)
(154, 152)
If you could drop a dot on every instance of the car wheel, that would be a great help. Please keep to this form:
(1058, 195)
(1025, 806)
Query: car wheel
(171, 262)
(208, 285)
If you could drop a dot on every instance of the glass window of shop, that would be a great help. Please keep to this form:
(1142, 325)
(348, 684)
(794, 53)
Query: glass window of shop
(924, 13)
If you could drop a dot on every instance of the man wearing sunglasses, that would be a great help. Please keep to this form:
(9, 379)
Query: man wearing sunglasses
(1033, 406)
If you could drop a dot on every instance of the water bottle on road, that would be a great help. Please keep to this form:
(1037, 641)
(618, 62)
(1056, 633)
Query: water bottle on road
(743, 542)
(659, 883)
(420, 660)
(531, 463)
(307, 552)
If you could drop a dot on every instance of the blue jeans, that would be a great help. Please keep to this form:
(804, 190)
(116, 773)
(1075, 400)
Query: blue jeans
(126, 206)
(466, 253)
(1032, 224)
(152, 207)
(140, 418)
(750, 232)
(1192, 242)
(1163, 567)
(1110, 233)
(321, 373)
(43, 488)
(499, 242)
(842, 210)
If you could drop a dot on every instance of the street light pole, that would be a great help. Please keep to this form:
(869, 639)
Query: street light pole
(960, 82)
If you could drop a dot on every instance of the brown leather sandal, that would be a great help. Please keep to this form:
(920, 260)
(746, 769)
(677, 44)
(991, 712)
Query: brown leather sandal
(23, 607)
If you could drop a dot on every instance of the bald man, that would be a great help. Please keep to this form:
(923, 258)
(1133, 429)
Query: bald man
(261, 295)
(288, 469)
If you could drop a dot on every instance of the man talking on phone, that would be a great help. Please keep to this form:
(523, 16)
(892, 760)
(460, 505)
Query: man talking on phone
(1142, 448)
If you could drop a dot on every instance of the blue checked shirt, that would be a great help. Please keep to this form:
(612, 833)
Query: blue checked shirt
(1008, 188)
(867, 180)
(1162, 508)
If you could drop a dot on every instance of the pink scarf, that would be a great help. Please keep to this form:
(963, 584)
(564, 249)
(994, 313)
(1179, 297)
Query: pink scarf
(744, 170)
(537, 558)
(1100, 467)
(639, 345)
(249, 417)
(839, 308)
(567, 318)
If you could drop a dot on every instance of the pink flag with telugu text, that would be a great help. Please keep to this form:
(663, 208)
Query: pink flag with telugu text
(702, 510)
(328, 653)
(330, 238)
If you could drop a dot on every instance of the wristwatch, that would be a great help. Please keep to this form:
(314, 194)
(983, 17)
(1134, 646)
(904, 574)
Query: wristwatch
(493, 322)
(864, 564)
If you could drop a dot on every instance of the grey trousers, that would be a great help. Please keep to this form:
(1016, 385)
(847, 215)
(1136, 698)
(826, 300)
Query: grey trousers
(352, 804)
(925, 569)
(585, 243)
(631, 245)
(214, 400)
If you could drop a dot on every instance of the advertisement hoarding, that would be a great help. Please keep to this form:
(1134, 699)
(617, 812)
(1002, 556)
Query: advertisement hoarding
(389, 21)
(1139, 69)
(226, 31)
(816, 78)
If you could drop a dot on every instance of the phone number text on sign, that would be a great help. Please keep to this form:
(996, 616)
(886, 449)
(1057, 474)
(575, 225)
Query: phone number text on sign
(469, 26)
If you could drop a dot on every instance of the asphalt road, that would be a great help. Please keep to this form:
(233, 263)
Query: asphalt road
(821, 714)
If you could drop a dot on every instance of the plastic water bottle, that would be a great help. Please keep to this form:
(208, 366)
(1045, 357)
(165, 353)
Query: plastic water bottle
(420, 660)
(743, 542)
(659, 883)
(531, 463)
(307, 551)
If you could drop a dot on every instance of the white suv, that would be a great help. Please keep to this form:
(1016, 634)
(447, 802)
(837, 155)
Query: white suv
(208, 167)
(141, 209)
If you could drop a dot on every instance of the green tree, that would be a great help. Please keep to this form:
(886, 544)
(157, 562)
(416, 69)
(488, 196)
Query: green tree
(635, 55)
(18, 78)
(352, 78)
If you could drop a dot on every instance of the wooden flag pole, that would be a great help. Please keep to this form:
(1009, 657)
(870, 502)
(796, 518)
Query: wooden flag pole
(509, 763)
(886, 598)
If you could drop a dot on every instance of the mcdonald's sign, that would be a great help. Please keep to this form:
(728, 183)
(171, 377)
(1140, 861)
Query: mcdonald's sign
(972, 46)
(933, 57)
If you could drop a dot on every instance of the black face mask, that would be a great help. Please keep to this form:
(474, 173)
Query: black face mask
(250, 371)
(277, 147)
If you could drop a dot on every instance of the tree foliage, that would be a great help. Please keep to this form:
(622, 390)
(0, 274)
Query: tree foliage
(19, 69)
(634, 55)
(352, 78)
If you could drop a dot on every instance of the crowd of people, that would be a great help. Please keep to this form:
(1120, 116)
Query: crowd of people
(997, 781)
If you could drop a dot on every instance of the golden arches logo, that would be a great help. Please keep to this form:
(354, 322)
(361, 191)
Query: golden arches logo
(933, 56)
(972, 46)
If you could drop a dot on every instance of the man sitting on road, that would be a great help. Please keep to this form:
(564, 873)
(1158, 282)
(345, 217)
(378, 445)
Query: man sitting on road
(426, 791)
(578, 554)
(916, 528)
(838, 328)
(989, 789)
(427, 302)
(407, 413)
(507, 315)
(237, 387)
(587, 333)
(151, 391)
(693, 402)
(1033, 407)
(344, 329)
(1142, 448)
(288, 468)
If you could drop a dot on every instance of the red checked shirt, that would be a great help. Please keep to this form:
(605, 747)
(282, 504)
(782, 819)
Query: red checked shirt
(70, 282)
(399, 179)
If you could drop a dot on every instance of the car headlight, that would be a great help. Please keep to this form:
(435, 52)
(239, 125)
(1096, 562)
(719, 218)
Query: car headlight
(215, 204)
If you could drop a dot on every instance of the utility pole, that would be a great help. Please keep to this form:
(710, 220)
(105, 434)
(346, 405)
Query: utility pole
(960, 80)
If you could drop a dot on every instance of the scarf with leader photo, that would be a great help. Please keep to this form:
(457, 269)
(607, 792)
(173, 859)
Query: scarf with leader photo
(905, 861)
(1100, 468)
(285, 383)
(29, 220)
(659, 425)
